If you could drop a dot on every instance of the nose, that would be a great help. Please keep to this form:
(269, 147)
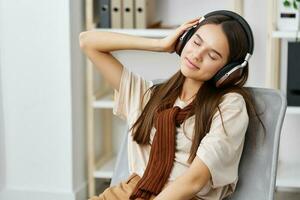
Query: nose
(198, 53)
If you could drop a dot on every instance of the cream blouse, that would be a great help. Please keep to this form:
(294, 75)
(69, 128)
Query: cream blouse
(220, 152)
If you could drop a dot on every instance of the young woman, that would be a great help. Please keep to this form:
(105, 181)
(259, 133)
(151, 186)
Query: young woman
(187, 133)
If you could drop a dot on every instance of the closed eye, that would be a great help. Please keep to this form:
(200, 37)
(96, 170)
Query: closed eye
(212, 57)
(196, 43)
(208, 54)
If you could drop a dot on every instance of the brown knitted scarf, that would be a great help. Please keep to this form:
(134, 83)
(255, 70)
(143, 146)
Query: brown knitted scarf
(162, 152)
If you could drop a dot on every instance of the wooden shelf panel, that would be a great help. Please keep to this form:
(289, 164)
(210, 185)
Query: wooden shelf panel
(140, 32)
(105, 170)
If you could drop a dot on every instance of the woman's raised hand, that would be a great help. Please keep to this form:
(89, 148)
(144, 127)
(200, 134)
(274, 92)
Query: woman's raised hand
(168, 43)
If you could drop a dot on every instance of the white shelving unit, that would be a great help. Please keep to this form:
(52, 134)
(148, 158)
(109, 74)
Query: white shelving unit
(102, 98)
(105, 101)
(288, 175)
(287, 179)
(103, 170)
(285, 34)
(293, 110)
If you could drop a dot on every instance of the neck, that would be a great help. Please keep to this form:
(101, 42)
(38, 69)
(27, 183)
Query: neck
(189, 89)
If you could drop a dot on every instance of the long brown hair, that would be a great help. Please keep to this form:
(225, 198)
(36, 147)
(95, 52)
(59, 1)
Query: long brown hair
(208, 97)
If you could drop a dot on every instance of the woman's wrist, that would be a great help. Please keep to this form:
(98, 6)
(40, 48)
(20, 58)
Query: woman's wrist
(160, 45)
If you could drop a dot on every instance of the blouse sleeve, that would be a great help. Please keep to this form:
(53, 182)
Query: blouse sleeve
(128, 99)
(220, 150)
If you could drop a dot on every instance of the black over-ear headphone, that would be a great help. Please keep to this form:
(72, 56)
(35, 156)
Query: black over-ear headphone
(233, 69)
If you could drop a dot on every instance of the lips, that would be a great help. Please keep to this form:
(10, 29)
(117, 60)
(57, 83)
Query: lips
(195, 66)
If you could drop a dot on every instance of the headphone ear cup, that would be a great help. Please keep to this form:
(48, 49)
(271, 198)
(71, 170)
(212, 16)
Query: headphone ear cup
(221, 77)
(183, 39)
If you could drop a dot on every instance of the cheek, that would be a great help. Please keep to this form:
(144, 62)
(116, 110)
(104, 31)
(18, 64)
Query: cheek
(212, 68)
(210, 64)
(216, 66)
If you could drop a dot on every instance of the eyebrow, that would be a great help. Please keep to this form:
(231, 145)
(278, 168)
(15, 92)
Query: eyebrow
(211, 49)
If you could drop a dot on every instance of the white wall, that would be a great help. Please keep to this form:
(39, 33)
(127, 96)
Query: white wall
(78, 100)
(256, 16)
(2, 148)
(43, 100)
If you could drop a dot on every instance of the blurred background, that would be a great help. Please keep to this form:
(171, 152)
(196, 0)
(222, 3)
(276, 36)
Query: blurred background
(58, 137)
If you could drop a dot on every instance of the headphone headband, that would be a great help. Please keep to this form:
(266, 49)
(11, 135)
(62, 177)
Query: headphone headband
(241, 20)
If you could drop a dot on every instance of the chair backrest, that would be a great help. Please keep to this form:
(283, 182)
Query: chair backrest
(121, 170)
(258, 165)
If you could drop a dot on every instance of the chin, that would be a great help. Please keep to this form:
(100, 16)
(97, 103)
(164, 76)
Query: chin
(186, 72)
(190, 74)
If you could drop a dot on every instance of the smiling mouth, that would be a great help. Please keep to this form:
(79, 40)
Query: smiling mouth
(191, 63)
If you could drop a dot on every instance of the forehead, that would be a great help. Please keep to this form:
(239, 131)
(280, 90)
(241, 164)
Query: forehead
(214, 37)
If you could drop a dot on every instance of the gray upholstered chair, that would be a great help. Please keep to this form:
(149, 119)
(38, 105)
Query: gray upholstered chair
(258, 165)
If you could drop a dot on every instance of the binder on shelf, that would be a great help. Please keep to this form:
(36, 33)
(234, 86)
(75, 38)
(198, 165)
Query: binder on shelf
(145, 13)
(103, 13)
(128, 14)
(116, 13)
(293, 81)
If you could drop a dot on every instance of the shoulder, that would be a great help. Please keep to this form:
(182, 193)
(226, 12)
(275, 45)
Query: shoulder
(231, 104)
(233, 99)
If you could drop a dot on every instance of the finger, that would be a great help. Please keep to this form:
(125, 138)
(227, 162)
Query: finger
(187, 25)
(191, 24)
(194, 20)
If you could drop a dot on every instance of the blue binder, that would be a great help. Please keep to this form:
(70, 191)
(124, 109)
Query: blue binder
(103, 9)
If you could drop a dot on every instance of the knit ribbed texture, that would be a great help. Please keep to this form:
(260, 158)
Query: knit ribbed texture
(162, 152)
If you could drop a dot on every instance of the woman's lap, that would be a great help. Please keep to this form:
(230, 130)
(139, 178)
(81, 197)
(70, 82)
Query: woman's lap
(121, 191)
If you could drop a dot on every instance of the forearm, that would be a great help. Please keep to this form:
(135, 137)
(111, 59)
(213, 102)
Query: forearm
(112, 41)
(188, 184)
(182, 188)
